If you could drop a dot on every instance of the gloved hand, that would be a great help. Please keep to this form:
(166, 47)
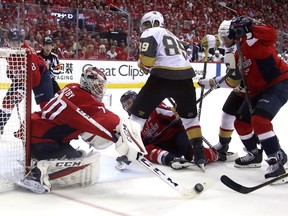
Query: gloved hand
(239, 27)
(207, 83)
(142, 67)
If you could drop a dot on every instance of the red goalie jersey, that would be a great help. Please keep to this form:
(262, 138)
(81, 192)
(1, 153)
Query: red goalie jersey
(59, 122)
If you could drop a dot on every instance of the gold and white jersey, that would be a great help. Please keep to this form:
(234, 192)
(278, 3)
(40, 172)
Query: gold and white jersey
(231, 49)
(164, 54)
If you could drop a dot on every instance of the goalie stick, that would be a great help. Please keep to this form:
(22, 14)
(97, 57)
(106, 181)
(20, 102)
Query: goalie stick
(245, 190)
(185, 192)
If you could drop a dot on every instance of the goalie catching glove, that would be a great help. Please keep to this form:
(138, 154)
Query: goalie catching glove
(129, 142)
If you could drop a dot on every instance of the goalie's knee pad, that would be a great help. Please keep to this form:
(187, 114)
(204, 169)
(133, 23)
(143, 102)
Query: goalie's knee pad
(78, 172)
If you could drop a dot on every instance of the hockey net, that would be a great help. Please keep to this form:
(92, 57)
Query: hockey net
(14, 154)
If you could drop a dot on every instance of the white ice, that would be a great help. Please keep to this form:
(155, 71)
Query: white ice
(135, 191)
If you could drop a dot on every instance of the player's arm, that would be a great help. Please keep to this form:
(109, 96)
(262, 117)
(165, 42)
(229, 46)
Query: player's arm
(148, 50)
(231, 80)
(55, 67)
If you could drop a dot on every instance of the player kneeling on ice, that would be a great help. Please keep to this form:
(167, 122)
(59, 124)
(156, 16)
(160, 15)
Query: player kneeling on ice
(164, 136)
(77, 110)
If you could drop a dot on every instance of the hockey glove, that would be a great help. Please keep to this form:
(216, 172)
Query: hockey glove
(143, 68)
(239, 27)
(207, 83)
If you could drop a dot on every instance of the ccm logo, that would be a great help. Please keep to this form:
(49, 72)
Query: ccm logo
(68, 164)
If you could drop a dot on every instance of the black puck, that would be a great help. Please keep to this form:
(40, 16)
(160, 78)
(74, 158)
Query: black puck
(199, 187)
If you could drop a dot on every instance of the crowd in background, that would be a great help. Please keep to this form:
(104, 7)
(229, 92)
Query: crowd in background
(109, 29)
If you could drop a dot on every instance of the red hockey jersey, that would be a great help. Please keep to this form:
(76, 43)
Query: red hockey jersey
(261, 65)
(35, 66)
(155, 124)
(59, 122)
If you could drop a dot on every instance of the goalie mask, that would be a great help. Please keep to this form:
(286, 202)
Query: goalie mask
(149, 20)
(94, 81)
(127, 100)
(15, 38)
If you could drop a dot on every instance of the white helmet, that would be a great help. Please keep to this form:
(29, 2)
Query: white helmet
(94, 81)
(151, 17)
(223, 29)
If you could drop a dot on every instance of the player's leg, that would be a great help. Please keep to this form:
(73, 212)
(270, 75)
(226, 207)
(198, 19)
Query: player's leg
(44, 91)
(55, 85)
(50, 150)
(229, 110)
(149, 97)
(243, 126)
(14, 96)
(267, 107)
(184, 95)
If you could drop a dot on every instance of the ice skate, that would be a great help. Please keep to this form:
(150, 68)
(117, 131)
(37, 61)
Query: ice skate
(250, 160)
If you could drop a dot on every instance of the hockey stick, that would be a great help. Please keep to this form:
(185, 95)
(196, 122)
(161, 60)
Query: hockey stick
(187, 193)
(223, 4)
(217, 85)
(245, 190)
(203, 77)
(83, 114)
(241, 69)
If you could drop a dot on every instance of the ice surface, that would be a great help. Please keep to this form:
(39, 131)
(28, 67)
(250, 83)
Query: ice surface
(135, 191)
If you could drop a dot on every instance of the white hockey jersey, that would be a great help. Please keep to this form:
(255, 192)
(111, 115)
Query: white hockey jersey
(165, 54)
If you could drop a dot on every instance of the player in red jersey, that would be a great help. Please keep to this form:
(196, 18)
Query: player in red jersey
(36, 67)
(58, 123)
(165, 138)
(265, 76)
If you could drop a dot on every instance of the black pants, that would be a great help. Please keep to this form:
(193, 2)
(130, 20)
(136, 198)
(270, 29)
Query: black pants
(157, 89)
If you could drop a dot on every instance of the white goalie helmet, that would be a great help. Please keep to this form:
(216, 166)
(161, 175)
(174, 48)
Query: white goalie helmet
(94, 81)
(151, 17)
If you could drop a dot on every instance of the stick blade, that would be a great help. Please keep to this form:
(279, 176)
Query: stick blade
(234, 186)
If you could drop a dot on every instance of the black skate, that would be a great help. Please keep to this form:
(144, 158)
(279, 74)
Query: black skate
(250, 160)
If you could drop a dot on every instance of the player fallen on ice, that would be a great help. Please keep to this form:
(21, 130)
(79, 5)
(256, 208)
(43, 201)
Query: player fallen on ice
(165, 138)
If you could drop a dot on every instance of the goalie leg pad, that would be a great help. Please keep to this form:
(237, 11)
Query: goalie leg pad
(78, 172)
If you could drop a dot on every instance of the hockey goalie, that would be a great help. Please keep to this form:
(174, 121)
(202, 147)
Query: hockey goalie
(77, 111)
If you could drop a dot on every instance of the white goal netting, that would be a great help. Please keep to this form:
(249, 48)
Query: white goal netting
(13, 108)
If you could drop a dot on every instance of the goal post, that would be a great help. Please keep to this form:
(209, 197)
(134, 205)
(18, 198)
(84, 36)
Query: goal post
(15, 111)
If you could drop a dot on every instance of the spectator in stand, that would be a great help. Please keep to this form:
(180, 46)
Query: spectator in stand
(123, 55)
(194, 52)
(102, 52)
(189, 54)
(32, 42)
(111, 54)
(218, 57)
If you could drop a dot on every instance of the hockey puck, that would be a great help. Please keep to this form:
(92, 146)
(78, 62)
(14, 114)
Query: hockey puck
(199, 187)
